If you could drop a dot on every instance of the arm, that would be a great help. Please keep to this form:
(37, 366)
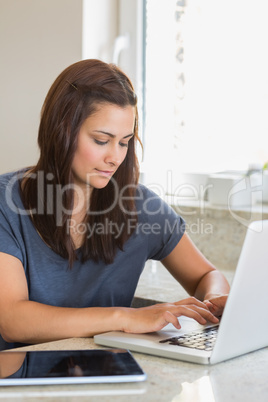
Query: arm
(197, 275)
(10, 363)
(22, 320)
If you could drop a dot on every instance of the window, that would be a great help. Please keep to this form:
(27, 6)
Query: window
(206, 95)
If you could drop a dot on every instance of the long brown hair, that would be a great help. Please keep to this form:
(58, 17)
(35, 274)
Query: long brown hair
(73, 97)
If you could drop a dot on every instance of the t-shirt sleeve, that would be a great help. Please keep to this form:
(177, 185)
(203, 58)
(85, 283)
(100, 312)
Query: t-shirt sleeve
(162, 225)
(8, 241)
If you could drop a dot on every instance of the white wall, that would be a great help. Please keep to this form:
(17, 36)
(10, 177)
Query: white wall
(38, 39)
(130, 25)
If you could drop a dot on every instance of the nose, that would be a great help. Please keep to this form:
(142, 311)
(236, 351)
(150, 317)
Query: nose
(114, 156)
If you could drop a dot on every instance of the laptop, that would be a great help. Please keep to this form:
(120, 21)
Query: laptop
(243, 326)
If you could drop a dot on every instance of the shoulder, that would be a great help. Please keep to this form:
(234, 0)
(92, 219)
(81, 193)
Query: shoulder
(5, 178)
(10, 178)
(144, 193)
(159, 225)
(9, 189)
(148, 202)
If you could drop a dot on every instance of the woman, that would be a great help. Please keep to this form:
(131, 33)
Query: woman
(77, 229)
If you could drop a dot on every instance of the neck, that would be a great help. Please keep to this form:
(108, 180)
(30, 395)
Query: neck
(81, 201)
(81, 207)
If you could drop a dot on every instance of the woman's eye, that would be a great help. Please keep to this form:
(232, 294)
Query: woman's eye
(123, 144)
(100, 142)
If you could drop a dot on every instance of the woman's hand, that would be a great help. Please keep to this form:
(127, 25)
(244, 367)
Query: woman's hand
(154, 318)
(216, 304)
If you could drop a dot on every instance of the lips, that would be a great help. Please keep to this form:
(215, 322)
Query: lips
(105, 172)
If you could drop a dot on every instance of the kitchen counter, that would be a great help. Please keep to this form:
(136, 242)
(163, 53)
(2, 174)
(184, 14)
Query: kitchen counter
(243, 379)
(156, 285)
(219, 232)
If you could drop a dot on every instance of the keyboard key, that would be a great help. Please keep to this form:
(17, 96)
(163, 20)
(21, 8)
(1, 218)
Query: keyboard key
(203, 340)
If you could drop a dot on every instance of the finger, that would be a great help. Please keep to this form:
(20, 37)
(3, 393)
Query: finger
(195, 304)
(214, 310)
(171, 318)
(199, 314)
(191, 301)
(216, 304)
(219, 300)
(209, 305)
(208, 314)
(193, 314)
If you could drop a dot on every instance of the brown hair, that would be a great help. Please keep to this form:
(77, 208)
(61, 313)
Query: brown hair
(77, 92)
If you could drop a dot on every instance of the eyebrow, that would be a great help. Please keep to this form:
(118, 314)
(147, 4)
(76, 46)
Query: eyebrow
(112, 135)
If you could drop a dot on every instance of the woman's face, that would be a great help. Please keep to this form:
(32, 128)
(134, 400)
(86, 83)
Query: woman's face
(102, 144)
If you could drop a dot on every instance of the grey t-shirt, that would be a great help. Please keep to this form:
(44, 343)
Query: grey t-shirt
(51, 281)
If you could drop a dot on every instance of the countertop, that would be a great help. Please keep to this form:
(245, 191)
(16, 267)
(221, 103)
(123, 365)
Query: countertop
(243, 379)
(156, 284)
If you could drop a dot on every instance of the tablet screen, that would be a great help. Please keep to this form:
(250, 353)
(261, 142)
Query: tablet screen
(69, 367)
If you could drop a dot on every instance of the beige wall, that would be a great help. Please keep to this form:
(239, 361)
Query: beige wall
(38, 39)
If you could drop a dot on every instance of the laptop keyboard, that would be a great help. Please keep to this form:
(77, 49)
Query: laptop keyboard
(201, 339)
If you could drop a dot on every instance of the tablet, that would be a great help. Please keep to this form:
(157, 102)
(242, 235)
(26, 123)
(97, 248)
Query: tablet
(69, 367)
